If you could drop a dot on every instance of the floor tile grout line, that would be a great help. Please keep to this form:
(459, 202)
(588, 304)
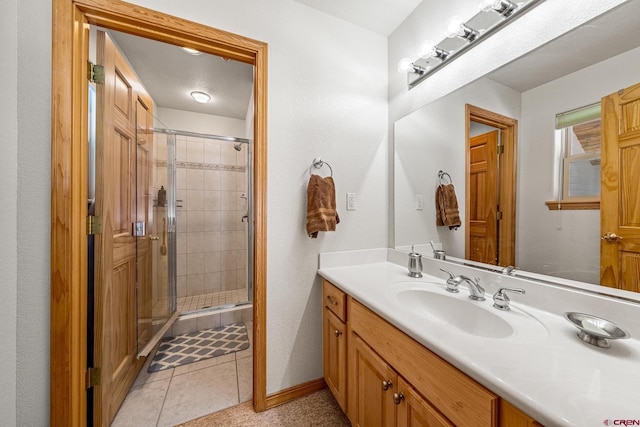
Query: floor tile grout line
(164, 400)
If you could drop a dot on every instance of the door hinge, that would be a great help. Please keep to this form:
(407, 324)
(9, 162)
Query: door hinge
(94, 224)
(500, 149)
(93, 377)
(499, 215)
(95, 73)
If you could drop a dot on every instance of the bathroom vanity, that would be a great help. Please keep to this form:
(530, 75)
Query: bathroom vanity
(401, 351)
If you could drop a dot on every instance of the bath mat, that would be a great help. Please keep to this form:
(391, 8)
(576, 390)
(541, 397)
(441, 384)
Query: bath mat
(196, 346)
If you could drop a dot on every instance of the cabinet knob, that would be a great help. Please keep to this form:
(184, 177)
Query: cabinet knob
(398, 397)
(386, 384)
(331, 300)
(337, 333)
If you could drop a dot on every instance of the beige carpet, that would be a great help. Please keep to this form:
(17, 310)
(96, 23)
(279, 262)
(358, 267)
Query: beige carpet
(316, 409)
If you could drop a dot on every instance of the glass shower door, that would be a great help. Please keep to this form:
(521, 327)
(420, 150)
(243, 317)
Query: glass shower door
(155, 232)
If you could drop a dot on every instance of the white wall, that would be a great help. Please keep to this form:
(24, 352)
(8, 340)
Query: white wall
(8, 214)
(565, 243)
(327, 97)
(433, 139)
(170, 118)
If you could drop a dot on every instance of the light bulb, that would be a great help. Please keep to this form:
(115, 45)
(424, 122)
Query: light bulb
(453, 27)
(428, 48)
(486, 5)
(200, 97)
(191, 51)
(405, 65)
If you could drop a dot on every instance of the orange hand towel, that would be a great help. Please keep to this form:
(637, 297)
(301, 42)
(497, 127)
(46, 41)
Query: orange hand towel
(447, 207)
(321, 205)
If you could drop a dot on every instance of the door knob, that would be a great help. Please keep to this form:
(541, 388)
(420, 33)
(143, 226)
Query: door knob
(611, 237)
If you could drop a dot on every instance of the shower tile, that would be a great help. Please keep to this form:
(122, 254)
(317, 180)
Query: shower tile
(194, 200)
(241, 182)
(211, 220)
(195, 221)
(212, 262)
(241, 278)
(181, 286)
(211, 180)
(241, 239)
(247, 318)
(181, 243)
(195, 179)
(181, 149)
(231, 220)
(181, 179)
(211, 152)
(143, 404)
(228, 280)
(195, 284)
(184, 326)
(228, 154)
(198, 393)
(181, 224)
(195, 150)
(228, 260)
(245, 378)
(195, 264)
(211, 200)
(229, 317)
(212, 282)
(228, 241)
(228, 201)
(181, 262)
(212, 242)
(208, 321)
(228, 181)
(195, 243)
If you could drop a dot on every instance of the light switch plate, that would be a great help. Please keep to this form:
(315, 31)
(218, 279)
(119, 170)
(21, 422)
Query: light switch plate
(351, 201)
(419, 202)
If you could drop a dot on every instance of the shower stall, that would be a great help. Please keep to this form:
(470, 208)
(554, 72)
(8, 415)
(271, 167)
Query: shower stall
(201, 209)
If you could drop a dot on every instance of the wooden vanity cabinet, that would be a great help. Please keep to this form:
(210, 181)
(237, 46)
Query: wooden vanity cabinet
(334, 342)
(382, 377)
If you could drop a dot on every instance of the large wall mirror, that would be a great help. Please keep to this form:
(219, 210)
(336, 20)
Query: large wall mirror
(575, 70)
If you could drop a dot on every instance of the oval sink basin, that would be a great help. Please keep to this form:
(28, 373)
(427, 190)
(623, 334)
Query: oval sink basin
(460, 313)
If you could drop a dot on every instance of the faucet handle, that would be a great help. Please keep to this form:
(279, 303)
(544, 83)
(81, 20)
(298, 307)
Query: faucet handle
(501, 300)
(452, 282)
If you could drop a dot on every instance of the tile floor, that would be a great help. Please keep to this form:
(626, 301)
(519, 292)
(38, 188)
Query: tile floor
(174, 396)
(198, 302)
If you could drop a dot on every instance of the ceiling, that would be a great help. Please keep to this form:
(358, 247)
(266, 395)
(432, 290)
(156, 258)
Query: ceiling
(379, 16)
(170, 74)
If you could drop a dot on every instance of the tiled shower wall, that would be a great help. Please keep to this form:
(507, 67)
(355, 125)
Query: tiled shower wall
(211, 237)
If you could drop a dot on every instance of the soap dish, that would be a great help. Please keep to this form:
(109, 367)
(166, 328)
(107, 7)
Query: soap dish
(594, 330)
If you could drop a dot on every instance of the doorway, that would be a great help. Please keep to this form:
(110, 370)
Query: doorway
(69, 375)
(490, 182)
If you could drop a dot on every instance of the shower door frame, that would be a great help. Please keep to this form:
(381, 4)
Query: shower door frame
(69, 165)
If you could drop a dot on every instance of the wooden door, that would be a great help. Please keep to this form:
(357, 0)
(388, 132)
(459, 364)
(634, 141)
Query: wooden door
(335, 356)
(415, 411)
(115, 348)
(482, 245)
(620, 190)
(371, 387)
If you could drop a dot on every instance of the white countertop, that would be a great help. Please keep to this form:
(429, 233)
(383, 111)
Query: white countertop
(546, 371)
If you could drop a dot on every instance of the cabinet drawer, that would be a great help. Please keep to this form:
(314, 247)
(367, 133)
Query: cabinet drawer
(334, 299)
(458, 397)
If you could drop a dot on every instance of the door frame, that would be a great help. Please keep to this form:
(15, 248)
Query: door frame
(507, 175)
(69, 158)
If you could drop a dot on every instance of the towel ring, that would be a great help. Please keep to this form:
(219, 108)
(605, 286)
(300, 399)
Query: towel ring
(441, 175)
(318, 163)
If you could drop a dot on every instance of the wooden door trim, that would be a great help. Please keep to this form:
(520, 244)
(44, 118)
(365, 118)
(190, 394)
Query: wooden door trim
(68, 329)
(508, 168)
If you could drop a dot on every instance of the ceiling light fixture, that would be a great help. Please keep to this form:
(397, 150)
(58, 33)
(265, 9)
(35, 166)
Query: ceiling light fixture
(431, 50)
(191, 51)
(503, 7)
(201, 97)
(457, 28)
(406, 65)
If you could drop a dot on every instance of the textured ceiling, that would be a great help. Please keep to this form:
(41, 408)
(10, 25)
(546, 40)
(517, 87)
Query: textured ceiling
(170, 74)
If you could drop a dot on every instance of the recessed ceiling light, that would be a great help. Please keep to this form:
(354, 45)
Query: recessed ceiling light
(201, 97)
(191, 51)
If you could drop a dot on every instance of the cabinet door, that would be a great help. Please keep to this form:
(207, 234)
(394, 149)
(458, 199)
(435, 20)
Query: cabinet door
(334, 351)
(371, 387)
(414, 411)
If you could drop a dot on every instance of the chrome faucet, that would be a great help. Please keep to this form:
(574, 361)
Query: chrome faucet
(501, 300)
(476, 292)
